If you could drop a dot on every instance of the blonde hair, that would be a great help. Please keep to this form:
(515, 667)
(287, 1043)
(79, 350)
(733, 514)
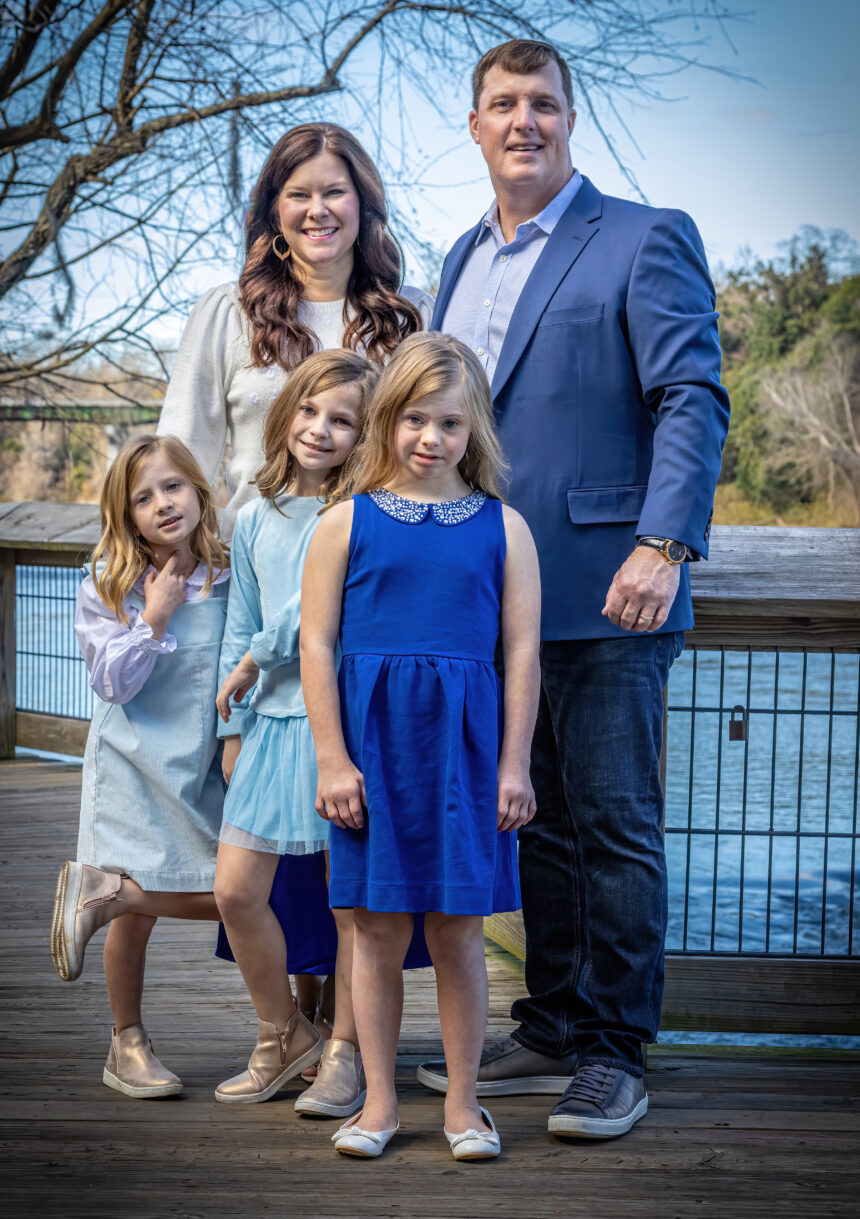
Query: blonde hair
(324, 370)
(427, 364)
(125, 554)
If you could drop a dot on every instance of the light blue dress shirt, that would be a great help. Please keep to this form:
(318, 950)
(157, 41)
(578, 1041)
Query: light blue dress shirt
(494, 274)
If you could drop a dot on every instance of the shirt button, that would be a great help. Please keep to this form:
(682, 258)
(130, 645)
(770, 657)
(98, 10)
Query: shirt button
(480, 351)
(486, 302)
(503, 258)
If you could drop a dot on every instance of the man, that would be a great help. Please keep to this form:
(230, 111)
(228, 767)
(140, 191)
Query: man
(595, 320)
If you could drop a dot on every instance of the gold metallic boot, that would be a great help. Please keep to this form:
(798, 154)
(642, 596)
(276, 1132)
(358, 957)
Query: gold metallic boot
(132, 1067)
(279, 1055)
(85, 900)
(339, 1088)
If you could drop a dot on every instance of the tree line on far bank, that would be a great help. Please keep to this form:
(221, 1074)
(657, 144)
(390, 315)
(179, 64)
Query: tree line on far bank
(790, 331)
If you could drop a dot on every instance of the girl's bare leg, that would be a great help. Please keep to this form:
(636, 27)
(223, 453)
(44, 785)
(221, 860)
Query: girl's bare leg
(243, 882)
(125, 958)
(456, 945)
(308, 991)
(344, 1016)
(380, 945)
(155, 904)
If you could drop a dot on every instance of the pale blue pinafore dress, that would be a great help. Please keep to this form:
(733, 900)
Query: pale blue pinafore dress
(152, 793)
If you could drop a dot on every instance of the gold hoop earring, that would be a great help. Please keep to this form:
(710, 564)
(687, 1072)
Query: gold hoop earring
(275, 249)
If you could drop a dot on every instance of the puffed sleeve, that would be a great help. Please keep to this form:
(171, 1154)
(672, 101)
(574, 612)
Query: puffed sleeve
(244, 620)
(119, 657)
(422, 301)
(195, 404)
(278, 642)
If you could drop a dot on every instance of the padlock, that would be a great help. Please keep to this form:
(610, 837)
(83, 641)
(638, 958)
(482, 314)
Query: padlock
(738, 727)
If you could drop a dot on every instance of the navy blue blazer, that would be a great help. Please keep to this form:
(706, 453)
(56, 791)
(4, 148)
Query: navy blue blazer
(608, 400)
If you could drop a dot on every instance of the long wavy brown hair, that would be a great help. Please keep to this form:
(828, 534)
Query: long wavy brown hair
(377, 317)
(428, 364)
(319, 372)
(121, 556)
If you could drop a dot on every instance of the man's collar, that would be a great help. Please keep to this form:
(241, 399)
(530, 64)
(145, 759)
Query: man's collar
(546, 220)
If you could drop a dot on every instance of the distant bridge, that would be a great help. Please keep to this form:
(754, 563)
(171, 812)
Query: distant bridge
(111, 414)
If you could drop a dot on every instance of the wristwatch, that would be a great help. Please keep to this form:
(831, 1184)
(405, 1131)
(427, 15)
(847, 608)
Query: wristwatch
(673, 552)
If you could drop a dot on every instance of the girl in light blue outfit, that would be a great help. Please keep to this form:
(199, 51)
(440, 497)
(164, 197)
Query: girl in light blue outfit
(149, 621)
(310, 431)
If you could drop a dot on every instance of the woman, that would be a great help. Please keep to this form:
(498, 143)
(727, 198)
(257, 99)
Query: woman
(321, 270)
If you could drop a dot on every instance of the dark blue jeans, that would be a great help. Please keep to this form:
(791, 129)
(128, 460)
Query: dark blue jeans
(592, 863)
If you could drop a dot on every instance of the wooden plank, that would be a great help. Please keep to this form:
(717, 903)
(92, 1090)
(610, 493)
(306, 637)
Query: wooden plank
(740, 994)
(765, 632)
(52, 558)
(764, 565)
(54, 733)
(762, 995)
(50, 527)
(7, 655)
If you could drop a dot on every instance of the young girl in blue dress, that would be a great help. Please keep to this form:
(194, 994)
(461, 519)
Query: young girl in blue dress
(149, 620)
(423, 758)
(310, 431)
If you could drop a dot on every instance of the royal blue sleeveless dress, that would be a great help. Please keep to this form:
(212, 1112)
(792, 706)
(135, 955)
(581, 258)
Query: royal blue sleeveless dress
(421, 705)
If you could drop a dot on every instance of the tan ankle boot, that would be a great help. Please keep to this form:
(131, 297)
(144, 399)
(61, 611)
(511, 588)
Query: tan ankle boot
(85, 900)
(339, 1089)
(132, 1067)
(279, 1055)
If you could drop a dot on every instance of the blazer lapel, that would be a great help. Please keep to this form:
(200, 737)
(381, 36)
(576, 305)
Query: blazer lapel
(450, 273)
(564, 245)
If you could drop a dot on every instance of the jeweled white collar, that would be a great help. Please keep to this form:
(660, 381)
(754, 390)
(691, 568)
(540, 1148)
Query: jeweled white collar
(413, 512)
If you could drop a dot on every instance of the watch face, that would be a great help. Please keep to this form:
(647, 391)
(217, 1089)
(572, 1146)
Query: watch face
(676, 551)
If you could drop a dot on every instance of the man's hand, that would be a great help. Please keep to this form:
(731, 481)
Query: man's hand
(643, 591)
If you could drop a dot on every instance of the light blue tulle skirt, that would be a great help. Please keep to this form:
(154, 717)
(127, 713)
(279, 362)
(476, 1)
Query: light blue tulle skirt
(272, 792)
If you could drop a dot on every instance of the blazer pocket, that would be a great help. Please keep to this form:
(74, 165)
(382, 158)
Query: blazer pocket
(605, 505)
(579, 313)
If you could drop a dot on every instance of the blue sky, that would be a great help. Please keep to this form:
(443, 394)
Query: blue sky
(751, 162)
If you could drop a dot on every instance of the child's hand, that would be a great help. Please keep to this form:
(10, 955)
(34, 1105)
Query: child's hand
(236, 684)
(341, 798)
(516, 797)
(164, 592)
(230, 756)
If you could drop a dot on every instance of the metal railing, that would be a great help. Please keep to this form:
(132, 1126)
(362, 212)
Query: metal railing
(763, 756)
(51, 677)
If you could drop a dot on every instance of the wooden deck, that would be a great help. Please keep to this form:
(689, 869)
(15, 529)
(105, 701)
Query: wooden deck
(729, 1132)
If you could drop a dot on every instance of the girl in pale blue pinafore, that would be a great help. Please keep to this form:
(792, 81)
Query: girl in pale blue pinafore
(149, 621)
(309, 433)
(423, 756)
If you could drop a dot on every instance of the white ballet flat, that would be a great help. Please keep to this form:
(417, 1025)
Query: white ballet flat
(351, 1140)
(475, 1144)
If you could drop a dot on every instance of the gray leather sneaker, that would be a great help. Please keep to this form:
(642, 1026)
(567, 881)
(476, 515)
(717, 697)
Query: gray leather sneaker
(507, 1069)
(599, 1103)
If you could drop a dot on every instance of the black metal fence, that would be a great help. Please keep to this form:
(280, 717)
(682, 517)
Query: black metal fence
(762, 778)
(50, 675)
(763, 755)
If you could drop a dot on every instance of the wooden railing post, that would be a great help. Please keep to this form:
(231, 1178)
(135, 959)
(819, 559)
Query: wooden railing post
(7, 654)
